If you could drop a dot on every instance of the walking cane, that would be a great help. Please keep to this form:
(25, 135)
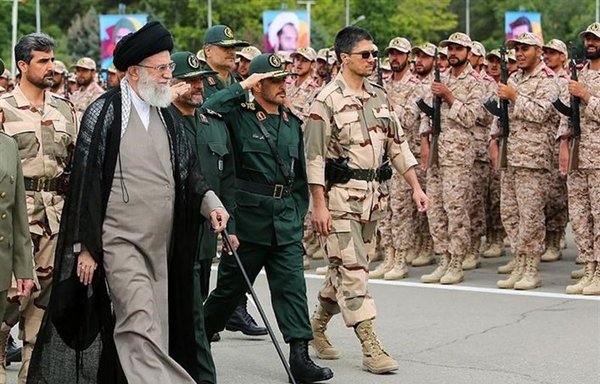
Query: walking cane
(259, 307)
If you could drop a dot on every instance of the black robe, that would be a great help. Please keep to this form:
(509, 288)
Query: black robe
(75, 343)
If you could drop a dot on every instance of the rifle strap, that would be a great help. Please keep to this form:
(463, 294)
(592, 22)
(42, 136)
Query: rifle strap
(287, 173)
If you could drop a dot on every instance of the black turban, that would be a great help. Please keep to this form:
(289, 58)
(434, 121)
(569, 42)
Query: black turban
(149, 40)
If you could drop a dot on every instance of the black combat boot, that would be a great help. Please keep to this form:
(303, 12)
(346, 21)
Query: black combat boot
(303, 368)
(241, 321)
(13, 353)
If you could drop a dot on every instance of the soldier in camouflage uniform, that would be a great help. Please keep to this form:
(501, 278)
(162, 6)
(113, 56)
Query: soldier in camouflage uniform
(584, 183)
(353, 125)
(403, 224)
(89, 90)
(59, 79)
(556, 58)
(45, 128)
(305, 87)
(525, 183)
(449, 184)
(246, 55)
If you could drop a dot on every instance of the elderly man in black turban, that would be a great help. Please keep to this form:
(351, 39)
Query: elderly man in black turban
(130, 224)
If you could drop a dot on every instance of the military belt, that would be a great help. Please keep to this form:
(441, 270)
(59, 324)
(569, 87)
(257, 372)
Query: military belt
(363, 174)
(38, 184)
(276, 191)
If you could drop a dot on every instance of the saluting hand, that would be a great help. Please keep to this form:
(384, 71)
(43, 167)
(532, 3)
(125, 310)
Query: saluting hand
(218, 219)
(254, 79)
(179, 89)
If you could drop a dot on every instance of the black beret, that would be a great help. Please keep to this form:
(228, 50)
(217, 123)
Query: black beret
(149, 40)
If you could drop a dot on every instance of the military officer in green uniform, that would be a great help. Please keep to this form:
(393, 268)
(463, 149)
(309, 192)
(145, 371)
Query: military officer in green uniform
(271, 202)
(207, 133)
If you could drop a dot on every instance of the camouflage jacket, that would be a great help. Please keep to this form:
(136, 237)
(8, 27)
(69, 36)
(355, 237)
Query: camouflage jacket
(485, 119)
(84, 97)
(301, 96)
(363, 127)
(404, 95)
(589, 142)
(45, 139)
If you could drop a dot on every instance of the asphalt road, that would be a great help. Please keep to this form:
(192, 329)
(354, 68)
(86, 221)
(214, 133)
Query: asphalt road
(466, 333)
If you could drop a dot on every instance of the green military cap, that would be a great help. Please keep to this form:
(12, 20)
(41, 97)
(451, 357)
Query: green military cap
(1, 67)
(222, 35)
(457, 38)
(400, 44)
(187, 65)
(592, 29)
(269, 63)
(527, 38)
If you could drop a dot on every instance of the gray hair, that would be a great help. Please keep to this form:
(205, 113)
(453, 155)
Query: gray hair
(32, 42)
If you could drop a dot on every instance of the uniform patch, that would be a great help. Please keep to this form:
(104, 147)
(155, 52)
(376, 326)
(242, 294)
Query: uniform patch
(193, 62)
(275, 61)
(203, 118)
(211, 81)
(260, 115)
(228, 32)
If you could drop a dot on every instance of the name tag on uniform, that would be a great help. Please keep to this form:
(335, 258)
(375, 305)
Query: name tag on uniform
(220, 165)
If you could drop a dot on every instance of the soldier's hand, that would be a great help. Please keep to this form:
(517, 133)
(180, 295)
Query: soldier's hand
(424, 152)
(578, 90)
(441, 90)
(321, 220)
(254, 79)
(507, 92)
(493, 153)
(421, 199)
(24, 287)
(563, 157)
(235, 243)
(86, 265)
(218, 219)
(179, 89)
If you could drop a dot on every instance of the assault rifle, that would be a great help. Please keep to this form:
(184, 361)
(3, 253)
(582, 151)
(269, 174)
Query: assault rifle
(574, 116)
(434, 113)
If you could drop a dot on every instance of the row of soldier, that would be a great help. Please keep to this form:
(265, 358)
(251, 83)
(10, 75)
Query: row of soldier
(464, 189)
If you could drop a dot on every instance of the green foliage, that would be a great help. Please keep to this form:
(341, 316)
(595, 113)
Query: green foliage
(83, 36)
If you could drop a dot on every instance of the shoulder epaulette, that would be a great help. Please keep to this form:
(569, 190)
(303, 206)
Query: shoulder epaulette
(327, 90)
(548, 71)
(475, 74)
(212, 113)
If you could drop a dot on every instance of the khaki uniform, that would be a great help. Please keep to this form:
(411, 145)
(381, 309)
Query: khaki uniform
(301, 96)
(361, 126)
(584, 183)
(45, 137)
(83, 97)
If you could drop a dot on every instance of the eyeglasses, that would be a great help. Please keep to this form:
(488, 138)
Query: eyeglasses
(366, 54)
(161, 68)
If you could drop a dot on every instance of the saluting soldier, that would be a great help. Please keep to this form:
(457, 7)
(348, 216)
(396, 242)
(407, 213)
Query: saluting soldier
(45, 127)
(351, 127)
(271, 201)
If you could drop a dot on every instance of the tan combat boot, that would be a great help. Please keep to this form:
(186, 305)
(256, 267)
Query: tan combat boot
(586, 279)
(320, 342)
(425, 255)
(454, 274)
(471, 260)
(593, 288)
(578, 273)
(436, 275)
(375, 359)
(508, 267)
(400, 267)
(515, 275)
(496, 248)
(552, 252)
(531, 276)
(4, 333)
(386, 265)
(415, 250)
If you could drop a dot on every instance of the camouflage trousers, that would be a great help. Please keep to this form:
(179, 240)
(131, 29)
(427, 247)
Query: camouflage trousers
(350, 246)
(449, 190)
(310, 241)
(477, 212)
(492, 203)
(557, 213)
(584, 212)
(403, 222)
(29, 312)
(522, 202)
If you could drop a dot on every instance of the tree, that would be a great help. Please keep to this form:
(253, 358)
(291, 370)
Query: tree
(83, 36)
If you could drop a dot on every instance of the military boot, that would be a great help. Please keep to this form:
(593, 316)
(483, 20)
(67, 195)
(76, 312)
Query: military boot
(471, 260)
(577, 288)
(303, 368)
(320, 342)
(425, 255)
(440, 271)
(552, 252)
(415, 250)
(386, 265)
(515, 275)
(593, 288)
(496, 248)
(531, 276)
(508, 267)
(375, 359)
(578, 273)
(242, 321)
(400, 267)
(454, 274)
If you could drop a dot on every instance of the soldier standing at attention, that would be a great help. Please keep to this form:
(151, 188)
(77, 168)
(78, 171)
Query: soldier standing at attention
(351, 127)
(246, 55)
(89, 90)
(303, 90)
(45, 127)
(525, 182)
(449, 183)
(271, 201)
(584, 183)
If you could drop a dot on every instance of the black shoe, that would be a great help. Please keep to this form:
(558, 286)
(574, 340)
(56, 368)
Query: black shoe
(215, 337)
(13, 353)
(303, 368)
(241, 321)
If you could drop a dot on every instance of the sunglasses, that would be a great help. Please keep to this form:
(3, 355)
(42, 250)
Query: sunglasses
(366, 54)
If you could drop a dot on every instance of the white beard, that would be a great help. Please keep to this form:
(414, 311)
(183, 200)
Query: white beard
(157, 95)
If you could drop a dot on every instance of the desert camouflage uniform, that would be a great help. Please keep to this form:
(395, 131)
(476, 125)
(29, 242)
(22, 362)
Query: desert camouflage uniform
(301, 96)
(584, 183)
(362, 127)
(526, 180)
(84, 97)
(45, 138)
